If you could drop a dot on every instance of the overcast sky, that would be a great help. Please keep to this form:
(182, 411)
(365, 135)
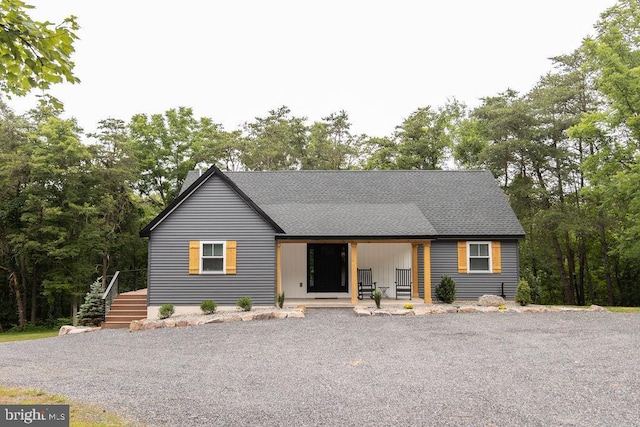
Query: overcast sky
(378, 60)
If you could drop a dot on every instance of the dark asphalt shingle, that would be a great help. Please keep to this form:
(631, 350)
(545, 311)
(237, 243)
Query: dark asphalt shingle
(380, 203)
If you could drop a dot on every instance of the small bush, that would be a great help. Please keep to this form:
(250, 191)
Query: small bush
(408, 306)
(523, 293)
(377, 296)
(281, 299)
(166, 310)
(208, 306)
(502, 307)
(245, 303)
(446, 290)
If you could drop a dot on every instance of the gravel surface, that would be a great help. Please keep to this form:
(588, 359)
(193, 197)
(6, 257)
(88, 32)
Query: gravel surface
(332, 368)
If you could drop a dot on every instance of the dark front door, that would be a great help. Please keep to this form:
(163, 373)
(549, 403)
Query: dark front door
(326, 268)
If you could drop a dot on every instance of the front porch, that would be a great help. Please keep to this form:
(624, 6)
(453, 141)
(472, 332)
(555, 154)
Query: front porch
(303, 273)
(346, 303)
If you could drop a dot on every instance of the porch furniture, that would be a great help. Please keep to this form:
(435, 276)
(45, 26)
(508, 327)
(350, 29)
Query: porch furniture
(365, 282)
(403, 282)
(384, 290)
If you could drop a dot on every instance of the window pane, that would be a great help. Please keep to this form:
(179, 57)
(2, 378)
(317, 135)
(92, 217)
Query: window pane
(484, 250)
(207, 249)
(212, 264)
(473, 250)
(479, 264)
(217, 249)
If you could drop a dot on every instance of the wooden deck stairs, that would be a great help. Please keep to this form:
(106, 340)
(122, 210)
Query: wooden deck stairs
(125, 308)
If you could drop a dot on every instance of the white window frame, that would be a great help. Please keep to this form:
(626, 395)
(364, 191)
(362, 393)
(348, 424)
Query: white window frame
(223, 257)
(489, 257)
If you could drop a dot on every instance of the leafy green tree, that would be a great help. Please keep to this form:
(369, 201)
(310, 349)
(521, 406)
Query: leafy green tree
(330, 144)
(426, 136)
(275, 142)
(34, 54)
(164, 145)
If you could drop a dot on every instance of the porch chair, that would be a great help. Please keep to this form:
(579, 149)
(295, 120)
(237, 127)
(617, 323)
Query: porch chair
(403, 282)
(365, 282)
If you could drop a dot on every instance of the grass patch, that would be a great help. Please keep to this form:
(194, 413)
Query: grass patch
(30, 334)
(81, 415)
(624, 309)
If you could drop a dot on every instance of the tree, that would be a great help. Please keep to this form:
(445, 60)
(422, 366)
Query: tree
(274, 142)
(425, 137)
(34, 54)
(164, 145)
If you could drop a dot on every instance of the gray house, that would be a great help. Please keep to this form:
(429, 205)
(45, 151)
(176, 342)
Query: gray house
(310, 233)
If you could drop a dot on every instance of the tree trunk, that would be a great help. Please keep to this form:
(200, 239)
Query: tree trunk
(604, 246)
(566, 285)
(105, 268)
(34, 296)
(14, 285)
(582, 266)
(571, 267)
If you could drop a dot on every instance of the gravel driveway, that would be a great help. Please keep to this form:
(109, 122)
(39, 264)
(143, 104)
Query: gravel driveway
(332, 368)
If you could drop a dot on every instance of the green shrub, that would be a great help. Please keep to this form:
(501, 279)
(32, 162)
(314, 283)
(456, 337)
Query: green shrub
(166, 310)
(446, 290)
(502, 307)
(408, 306)
(91, 311)
(208, 306)
(245, 303)
(523, 293)
(377, 296)
(281, 299)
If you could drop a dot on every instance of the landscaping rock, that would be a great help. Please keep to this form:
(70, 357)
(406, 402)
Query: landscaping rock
(264, 315)
(168, 323)
(296, 314)
(68, 329)
(135, 325)
(597, 308)
(380, 312)
(402, 312)
(468, 309)
(280, 314)
(361, 312)
(491, 301)
(182, 322)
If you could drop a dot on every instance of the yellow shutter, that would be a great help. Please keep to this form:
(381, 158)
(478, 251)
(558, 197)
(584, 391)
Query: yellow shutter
(496, 261)
(194, 257)
(462, 257)
(230, 268)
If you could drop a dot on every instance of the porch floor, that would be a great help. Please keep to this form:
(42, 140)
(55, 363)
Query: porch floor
(346, 302)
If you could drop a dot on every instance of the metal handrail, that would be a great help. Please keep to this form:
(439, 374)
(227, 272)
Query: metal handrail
(111, 292)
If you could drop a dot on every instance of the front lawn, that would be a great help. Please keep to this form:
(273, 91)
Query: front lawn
(80, 414)
(33, 333)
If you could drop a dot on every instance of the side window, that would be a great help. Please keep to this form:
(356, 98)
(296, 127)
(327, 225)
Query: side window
(212, 257)
(479, 257)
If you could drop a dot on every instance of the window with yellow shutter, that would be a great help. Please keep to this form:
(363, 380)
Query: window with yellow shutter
(212, 257)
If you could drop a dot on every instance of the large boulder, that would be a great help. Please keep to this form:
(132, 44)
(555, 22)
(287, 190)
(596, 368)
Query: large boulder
(491, 301)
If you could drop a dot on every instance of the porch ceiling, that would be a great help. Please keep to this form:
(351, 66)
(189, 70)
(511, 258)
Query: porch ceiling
(357, 219)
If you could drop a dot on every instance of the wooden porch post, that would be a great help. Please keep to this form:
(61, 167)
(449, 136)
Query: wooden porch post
(414, 269)
(427, 272)
(354, 273)
(278, 269)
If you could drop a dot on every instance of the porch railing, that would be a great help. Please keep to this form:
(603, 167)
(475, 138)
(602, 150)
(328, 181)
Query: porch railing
(123, 281)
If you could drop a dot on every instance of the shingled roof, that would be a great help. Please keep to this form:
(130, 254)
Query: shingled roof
(429, 204)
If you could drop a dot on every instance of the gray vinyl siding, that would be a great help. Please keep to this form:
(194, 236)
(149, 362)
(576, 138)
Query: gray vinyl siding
(444, 261)
(421, 271)
(214, 212)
